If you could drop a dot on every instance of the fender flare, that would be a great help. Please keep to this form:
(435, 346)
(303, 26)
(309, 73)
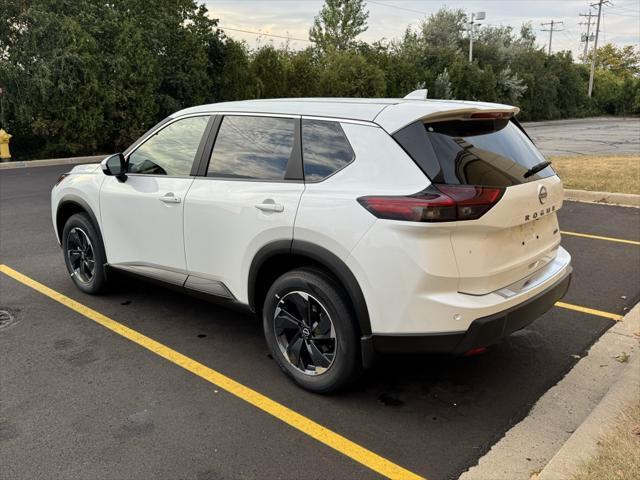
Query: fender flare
(71, 198)
(324, 257)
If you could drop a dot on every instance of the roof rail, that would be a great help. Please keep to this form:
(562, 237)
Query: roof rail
(418, 94)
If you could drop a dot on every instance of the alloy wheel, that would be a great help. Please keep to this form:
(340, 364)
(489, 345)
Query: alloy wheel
(80, 254)
(305, 333)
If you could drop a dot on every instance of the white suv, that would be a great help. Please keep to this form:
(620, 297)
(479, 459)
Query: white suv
(352, 226)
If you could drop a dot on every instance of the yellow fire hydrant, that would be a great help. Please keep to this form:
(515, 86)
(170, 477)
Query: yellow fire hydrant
(5, 155)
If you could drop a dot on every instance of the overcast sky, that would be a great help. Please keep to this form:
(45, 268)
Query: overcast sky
(389, 18)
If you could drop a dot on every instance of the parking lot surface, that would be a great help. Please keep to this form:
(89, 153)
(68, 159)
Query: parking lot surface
(80, 401)
(587, 136)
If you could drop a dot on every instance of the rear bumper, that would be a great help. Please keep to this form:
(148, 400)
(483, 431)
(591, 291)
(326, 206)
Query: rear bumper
(483, 331)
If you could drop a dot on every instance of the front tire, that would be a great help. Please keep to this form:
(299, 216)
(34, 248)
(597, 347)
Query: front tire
(84, 254)
(310, 330)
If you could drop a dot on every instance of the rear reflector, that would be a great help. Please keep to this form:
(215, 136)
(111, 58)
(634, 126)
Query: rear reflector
(437, 203)
(475, 351)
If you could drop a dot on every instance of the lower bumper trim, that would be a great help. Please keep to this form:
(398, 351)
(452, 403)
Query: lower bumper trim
(483, 331)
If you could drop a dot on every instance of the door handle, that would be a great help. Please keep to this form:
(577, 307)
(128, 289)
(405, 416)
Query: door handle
(170, 198)
(270, 207)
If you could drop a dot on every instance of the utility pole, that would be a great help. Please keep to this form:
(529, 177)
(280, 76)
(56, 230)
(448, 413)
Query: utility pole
(474, 16)
(586, 38)
(595, 46)
(550, 30)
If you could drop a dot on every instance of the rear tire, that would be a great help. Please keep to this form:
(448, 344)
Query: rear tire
(310, 330)
(84, 254)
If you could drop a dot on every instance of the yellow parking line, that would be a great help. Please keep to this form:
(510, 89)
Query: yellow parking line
(307, 426)
(590, 311)
(598, 237)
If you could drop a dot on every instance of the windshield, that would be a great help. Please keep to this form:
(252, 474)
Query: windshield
(493, 153)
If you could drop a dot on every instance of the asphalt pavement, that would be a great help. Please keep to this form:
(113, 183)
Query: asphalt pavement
(78, 401)
(587, 136)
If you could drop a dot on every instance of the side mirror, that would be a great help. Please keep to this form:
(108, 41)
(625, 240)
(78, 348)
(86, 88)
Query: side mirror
(115, 166)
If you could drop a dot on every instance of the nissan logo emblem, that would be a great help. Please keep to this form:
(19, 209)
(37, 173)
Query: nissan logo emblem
(542, 194)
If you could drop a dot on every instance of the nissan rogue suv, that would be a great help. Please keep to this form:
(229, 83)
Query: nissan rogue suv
(350, 226)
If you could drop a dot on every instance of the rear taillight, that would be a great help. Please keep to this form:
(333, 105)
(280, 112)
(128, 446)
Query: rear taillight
(437, 203)
(491, 115)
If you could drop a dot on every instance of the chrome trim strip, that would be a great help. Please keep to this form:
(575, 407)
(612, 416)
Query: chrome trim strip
(177, 277)
(164, 275)
(532, 281)
(341, 120)
(283, 115)
(211, 287)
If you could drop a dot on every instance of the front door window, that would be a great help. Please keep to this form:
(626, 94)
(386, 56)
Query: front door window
(171, 151)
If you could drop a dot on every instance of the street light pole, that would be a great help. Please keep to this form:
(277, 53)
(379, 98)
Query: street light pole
(471, 39)
(474, 16)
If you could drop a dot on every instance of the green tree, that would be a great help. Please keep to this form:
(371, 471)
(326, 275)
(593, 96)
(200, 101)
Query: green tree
(84, 76)
(444, 28)
(630, 93)
(623, 61)
(510, 86)
(608, 91)
(134, 81)
(470, 82)
(238, 82)
(442, 86)
(303, 73)
(53, 97)
(269, 67)
(338, 24)
(347, 74)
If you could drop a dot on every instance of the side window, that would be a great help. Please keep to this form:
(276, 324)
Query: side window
(252, 147)
(325, 149)
(171, 151)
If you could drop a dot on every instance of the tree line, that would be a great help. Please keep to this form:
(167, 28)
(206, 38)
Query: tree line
(84, 77)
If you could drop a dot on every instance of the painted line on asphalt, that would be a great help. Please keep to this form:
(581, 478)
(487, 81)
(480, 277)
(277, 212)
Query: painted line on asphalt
(307, 426)
(598, 237)
(590, 311)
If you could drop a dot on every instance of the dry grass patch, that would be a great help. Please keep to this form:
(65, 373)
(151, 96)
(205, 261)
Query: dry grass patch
(606, 173)
(618, 454)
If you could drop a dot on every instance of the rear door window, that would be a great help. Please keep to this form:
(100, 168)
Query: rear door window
(252, 148)
(493, 153)
(325, 149)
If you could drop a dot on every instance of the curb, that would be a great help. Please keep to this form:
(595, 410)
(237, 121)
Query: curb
(538, 441)
(583, 444)
(607, 198)
(51, 161)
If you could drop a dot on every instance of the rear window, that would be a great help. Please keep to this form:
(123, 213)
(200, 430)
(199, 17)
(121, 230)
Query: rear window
(325, 149)
(493, 153)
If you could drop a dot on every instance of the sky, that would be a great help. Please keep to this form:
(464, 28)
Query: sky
(388, 19)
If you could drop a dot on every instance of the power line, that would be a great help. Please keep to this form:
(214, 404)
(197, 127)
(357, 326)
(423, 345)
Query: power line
(626, 15)
(265, 34)
(622, 9)
(397, 7)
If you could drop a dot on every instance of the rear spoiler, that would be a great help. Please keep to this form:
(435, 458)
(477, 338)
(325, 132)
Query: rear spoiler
(398, 116)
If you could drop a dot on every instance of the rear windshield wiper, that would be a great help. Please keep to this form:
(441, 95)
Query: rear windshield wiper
(536, 168)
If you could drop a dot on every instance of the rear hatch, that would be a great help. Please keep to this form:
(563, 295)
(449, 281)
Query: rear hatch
(516, 233)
